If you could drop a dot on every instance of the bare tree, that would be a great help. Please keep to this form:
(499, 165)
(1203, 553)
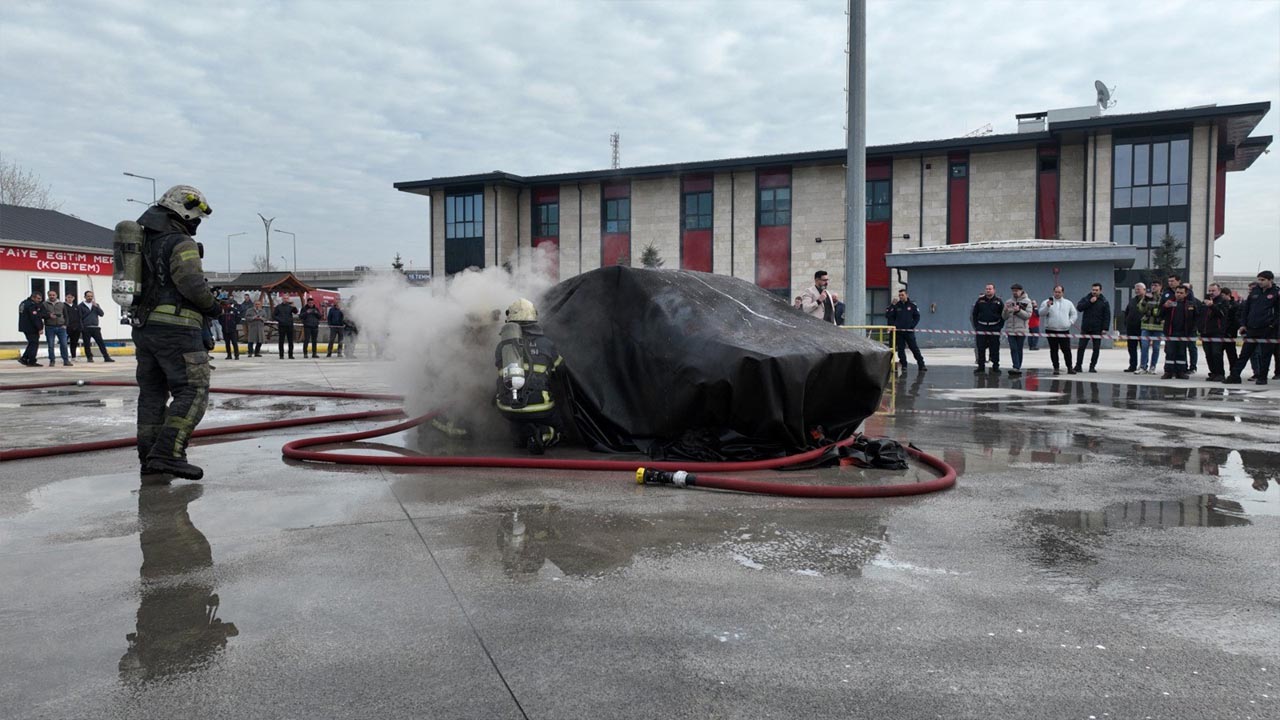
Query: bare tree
(260, 263)
(23, 187)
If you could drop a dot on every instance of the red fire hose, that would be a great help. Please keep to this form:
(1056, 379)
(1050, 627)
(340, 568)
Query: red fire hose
(295, 450)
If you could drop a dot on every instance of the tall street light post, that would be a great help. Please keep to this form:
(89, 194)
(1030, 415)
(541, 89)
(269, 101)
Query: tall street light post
(229, 249)
(295, 247)
(137, 201)
(267, 223)
(153, 184)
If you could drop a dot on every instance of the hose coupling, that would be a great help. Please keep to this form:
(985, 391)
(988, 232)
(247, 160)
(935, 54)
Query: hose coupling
(679, 478)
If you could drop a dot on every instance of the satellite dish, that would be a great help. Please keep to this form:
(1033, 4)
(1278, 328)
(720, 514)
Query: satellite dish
(1104, 95)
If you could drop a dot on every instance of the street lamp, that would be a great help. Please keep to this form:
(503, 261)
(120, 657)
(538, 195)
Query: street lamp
(284, 261)
(267, 223)
(153, 184)
(137, 201)
(295, 247)
(229, 249)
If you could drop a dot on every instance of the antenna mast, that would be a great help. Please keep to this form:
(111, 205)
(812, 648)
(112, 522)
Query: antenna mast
(615, 142)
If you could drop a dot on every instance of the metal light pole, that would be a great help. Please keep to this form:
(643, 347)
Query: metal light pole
(137, 201)
(229, 249)
(855, 209)
(295, 247)
(267, 224)
(153, 184)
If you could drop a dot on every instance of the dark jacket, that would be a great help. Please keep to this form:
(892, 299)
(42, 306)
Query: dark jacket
(30, 316)
(310, 316)
(283, 314)
(229, 319)
(903, 315)
(1180, 320)
(173, 270)
(1211, 321)
(988, 313)
(73, 317)
(1260, 312)
(89, 314)
(1095, 317)
(1133, 316)
(336, 317)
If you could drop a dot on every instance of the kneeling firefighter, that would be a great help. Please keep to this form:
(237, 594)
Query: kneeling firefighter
(526, 360)
(169, 316)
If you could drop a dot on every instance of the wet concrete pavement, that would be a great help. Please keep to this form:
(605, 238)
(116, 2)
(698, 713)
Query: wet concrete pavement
(1106, 553)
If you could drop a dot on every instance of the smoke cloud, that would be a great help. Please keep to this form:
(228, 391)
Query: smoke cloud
(439, 340)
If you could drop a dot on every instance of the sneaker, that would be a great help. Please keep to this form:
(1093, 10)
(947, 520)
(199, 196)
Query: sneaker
(173, 466)
(1015, 373)
(107, 359)
(1131, 370)
(1231, 380)
(67, 363)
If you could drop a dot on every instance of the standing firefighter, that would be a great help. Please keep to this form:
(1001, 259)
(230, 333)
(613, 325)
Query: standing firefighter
(526, 361)
(173, 359)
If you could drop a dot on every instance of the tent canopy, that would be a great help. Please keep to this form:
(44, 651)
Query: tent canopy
(277, 282)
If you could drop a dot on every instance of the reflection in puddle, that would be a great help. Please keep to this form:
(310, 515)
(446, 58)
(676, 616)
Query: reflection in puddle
(548, 541)
(1194, 511)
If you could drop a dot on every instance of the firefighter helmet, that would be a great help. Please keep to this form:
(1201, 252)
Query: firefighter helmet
(522, 310)
(187, 202)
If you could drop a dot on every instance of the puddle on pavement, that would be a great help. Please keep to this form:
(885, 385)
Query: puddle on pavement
(1193, 511)
(177, 627)
(533, 542)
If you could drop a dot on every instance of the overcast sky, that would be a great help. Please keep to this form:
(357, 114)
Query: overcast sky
(309, 111)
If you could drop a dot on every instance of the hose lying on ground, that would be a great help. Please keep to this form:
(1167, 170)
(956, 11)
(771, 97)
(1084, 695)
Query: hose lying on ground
(296, 450)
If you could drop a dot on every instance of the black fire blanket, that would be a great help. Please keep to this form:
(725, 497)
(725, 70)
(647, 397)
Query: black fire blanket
(683, 364)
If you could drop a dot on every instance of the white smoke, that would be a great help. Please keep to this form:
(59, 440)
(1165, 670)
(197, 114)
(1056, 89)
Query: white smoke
(438, 340)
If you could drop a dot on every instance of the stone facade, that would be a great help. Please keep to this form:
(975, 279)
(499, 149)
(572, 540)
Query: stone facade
(724, 241)
(1071, 176)
(655, 219)
(817, 211)
(935, 200)
(1098, 189)
(1002, 195)
(437, 232)
(590, 226)
(744, 225)
(1200, 222)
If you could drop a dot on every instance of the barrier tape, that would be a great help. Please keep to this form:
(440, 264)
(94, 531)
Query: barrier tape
(1107, 336)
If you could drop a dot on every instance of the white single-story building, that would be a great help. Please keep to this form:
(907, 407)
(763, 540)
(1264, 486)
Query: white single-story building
(48, 250)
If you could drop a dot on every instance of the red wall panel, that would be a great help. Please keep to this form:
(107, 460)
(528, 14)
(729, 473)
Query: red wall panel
(773, 257)
(1220, 204)
(1047, 205)
(877, 248)
(695, 250)
(615, 249)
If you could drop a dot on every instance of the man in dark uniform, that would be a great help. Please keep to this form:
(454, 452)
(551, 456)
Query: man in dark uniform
(31, 324)
(904, 316)
(283, 315)
(526, 361)
(173, 359)
(1260, 321)
(987, 319)
(1095, 319)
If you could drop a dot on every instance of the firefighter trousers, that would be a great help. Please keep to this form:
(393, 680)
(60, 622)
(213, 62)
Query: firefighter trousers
(173, 388)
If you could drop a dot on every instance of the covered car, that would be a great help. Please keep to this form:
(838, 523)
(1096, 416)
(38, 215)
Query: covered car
(684, 364)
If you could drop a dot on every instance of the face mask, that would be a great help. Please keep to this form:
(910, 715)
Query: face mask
(191, 225)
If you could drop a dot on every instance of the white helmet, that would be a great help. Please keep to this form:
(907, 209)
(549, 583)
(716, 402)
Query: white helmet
(188, 202)
(522, 310)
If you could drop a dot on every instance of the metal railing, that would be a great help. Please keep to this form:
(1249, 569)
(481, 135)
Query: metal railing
(886, 335)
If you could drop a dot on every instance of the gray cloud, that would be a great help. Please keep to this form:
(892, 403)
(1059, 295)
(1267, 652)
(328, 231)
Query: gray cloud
(308, 111)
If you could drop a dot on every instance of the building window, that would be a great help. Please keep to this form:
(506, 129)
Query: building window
(775, 206)
(960, 169)
(1151, 172)
(617, 215)
(464, 216)
(546, 219)
(879, 200)
(697, 210)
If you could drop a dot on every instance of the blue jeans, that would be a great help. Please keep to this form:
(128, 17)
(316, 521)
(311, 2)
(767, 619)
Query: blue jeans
(1150, 341)
(59, 332)
(1015, 349)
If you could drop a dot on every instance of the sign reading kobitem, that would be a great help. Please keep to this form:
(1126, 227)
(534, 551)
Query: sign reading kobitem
(18, 258)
